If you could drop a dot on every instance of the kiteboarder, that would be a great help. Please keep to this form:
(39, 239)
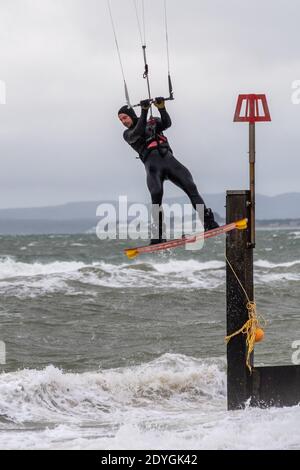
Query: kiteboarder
(147, 139)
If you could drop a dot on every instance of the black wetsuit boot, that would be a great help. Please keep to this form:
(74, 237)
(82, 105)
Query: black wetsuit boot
(158, 226)
(209, 220)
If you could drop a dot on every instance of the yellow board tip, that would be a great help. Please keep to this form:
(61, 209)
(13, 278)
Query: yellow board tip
(242, 224)
(131, 254)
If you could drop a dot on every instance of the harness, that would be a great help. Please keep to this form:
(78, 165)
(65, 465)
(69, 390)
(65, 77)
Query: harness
(155, 139)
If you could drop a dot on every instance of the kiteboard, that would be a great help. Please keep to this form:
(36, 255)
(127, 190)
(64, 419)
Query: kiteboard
(132, 253)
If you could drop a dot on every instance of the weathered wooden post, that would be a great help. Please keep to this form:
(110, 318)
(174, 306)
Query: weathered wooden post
(240, 257)
(239, 253)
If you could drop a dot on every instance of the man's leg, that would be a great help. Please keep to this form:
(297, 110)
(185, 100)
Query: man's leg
(182, 177)
(155, 186)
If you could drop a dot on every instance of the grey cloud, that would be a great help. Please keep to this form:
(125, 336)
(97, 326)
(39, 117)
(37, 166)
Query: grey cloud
(59, 136)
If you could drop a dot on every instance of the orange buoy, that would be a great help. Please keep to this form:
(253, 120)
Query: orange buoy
(259, 335)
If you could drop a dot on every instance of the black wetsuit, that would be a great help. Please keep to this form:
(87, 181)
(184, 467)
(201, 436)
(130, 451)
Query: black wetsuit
(147, 139)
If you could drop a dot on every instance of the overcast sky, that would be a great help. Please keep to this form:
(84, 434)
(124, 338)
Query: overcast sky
(60, 139)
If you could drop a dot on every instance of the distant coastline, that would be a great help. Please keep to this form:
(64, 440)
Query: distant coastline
(278, 212)
(88, 226)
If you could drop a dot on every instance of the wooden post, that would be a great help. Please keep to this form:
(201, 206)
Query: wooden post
(252, 182)
(240, 255)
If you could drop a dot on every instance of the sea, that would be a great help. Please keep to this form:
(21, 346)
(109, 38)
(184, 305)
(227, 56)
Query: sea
(101, 352)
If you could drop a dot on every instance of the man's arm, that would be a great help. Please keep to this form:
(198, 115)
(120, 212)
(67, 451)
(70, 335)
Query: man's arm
(132, 135)
(165, 120)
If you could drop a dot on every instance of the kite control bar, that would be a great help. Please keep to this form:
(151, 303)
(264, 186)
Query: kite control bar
(170, 98)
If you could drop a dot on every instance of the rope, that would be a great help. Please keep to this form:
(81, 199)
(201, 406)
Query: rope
(140, 17)
(167, 35)
(144, 24)
(247, 297)
(250, 326)
(118, 51)
(143, 42)
(171, 97)
(142, 34)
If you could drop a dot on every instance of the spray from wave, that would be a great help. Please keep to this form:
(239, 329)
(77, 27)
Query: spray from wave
(173, 402)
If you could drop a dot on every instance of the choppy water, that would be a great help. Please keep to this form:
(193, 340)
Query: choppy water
(108, 353)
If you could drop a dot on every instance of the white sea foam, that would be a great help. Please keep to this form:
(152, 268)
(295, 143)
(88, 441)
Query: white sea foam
(295, 234)
(171, 274)
(37, 286)
(188, 266)
(53, 396)
(34, 279)
(11, 268)
(267, 264)
(175, 402)
(276, 278)
(241, 430)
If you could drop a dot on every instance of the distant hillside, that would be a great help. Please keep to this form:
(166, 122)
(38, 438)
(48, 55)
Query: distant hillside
(79, 217)
(69, 211)
(284, 206)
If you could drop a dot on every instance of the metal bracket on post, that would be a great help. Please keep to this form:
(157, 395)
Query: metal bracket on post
(255, 110)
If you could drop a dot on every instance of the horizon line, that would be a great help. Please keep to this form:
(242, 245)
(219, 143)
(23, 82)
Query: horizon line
(45, 206)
